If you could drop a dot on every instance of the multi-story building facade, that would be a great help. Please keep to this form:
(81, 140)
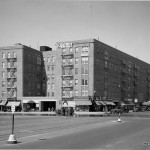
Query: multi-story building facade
(74, 74)
(20, 72)
(93, 69)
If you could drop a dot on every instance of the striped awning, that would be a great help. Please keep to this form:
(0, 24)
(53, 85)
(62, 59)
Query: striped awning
(146, 103)
(100, 103)
(13, 103)
(109, 103)
(83, 102)
(3, 103)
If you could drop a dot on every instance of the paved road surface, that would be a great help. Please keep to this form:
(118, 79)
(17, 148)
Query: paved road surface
(80, 133)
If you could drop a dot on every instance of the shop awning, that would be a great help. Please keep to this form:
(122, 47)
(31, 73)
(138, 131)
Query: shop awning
(83, 102)
(13, 103)
(109, 103)
(146, 103)
(100, 103)
(123, 104)
(129, 103)
(3, 103)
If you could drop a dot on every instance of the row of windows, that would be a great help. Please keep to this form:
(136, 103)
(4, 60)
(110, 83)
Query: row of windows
(8, 55)
(49, 59)
(85, 49)
(70, 82)
(84, 71)
(13, 94)
(50, 76)
(84, 60)
(9, 64)
(76, 93)
(52, 68)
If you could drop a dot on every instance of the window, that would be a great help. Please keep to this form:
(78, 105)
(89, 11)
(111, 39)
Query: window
(44, 85)
(52, 94)
(70, 93)
(48, 59)
(52, 86)
(85, 50)
(70, 50)
(76, 70)
(3, 83)
(70, 82)
(14, 54)
(84, 60)
(84, 93)
(3, 93)
(76, 82)
(29, 84)
(48, 76)
(38, 86)
(48, 68)
(48, 86)
(52, 58)
(84, 82)
(3, 55)
(76, 50)
(76, 60)
(3, 74)
(63, 61)
(3, 65)
(63, 72)
(44, 59)
(70, 60)
(84, 71)
(76, 92)
(53, 67)
(48, 94)
(8, 55)
(8, 64)
(63, 50)
(64, 82)
(63, 93)
(53, 76)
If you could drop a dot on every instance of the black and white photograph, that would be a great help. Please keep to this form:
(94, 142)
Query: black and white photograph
(75, 74)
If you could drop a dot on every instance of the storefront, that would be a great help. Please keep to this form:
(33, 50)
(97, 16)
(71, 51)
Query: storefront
(83, 105)
(40, 104)
(17, 105)
(3, 105)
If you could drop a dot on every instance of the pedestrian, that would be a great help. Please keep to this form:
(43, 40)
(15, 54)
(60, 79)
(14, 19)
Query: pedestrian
(63, 112)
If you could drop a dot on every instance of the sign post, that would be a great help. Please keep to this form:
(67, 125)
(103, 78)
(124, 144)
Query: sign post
(12, 139)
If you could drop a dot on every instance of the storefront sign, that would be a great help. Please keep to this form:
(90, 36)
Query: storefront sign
(64, 45)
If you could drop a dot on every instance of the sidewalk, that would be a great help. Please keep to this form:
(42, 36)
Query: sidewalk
(78, 113)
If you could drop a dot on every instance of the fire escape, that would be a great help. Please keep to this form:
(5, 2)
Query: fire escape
(67, 76)
(11, 78)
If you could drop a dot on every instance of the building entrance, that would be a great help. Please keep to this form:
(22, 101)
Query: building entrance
(48, 106)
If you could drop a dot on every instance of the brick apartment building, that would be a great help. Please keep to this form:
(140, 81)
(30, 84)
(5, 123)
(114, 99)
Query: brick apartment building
(74, 73)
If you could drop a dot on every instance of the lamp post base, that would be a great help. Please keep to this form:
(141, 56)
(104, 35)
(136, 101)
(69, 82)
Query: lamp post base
(12, 139)
(119, 120)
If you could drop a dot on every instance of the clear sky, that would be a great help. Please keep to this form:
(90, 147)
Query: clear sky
(121, 24)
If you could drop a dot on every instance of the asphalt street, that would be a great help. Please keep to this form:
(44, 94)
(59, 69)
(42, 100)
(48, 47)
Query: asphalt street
(76, 133)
